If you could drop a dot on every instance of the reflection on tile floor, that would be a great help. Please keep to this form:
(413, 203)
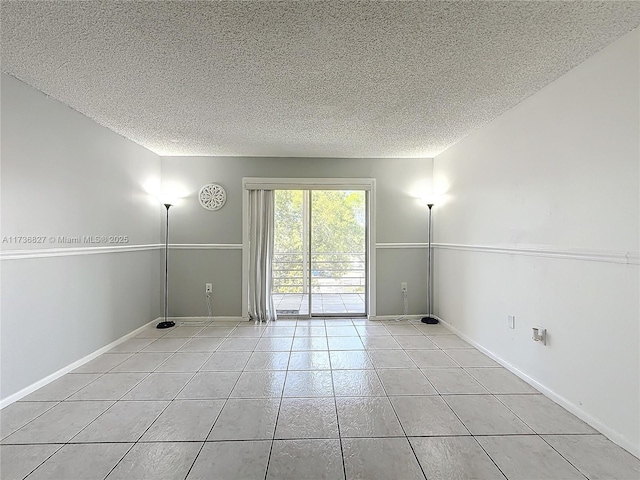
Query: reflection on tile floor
(320, 398)
(321, 303)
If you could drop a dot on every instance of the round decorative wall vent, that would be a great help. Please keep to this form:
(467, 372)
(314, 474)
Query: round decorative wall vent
(212, 196)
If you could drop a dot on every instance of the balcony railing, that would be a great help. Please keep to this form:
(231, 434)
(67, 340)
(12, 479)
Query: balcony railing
(331, 272)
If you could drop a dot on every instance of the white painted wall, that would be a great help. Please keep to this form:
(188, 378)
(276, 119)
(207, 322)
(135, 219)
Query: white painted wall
(64, 175)
(561, 172)
(401, 218)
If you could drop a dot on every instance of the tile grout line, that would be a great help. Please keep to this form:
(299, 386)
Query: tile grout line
(561, 455)
(204, 442)
(45, 460)
(446, 403)
(394, 408)
(490, 457)
(56, 403)
(335, 405)
(474, 438)
(135, 442)
(275, 425)
(406, 437)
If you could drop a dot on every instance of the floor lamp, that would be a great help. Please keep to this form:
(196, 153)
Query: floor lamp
(430, 319)
(166, 323)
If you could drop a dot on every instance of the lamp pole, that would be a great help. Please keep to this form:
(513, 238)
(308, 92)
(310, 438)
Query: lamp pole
(430, 319)
(166, 323)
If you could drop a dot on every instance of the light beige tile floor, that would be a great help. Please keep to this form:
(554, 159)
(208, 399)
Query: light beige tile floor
(320, 398)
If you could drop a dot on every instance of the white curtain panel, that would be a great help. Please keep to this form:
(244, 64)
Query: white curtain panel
(261, 233)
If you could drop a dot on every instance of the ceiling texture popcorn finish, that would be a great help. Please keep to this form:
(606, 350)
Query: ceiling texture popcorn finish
(300, 79)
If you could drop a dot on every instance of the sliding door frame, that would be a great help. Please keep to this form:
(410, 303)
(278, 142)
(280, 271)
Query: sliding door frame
(366, 184)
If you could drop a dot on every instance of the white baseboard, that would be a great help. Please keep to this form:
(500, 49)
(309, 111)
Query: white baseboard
(383, 318)
(612, 435)
(55, 375)
(205, 319)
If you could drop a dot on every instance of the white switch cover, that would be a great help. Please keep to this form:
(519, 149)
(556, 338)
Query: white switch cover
(512, 321)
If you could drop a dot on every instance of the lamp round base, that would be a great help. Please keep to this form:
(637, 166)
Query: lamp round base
(167, 324)
(429, 320)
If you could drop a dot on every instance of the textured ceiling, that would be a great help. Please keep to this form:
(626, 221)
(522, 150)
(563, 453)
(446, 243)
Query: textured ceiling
(298, 78)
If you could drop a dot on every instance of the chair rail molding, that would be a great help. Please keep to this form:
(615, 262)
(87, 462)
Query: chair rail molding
(606, 256)
(74, 251)
(205, 246)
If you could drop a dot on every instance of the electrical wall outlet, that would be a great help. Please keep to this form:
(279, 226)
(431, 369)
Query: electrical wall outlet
(403, 286)
(511, 321)
(539, 335)
(208, 288)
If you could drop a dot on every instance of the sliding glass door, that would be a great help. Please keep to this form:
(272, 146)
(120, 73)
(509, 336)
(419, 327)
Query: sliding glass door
(320, 261)
(291, 249)
(337, 252)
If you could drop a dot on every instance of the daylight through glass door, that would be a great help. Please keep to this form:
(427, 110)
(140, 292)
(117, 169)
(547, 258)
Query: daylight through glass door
(320, 252)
